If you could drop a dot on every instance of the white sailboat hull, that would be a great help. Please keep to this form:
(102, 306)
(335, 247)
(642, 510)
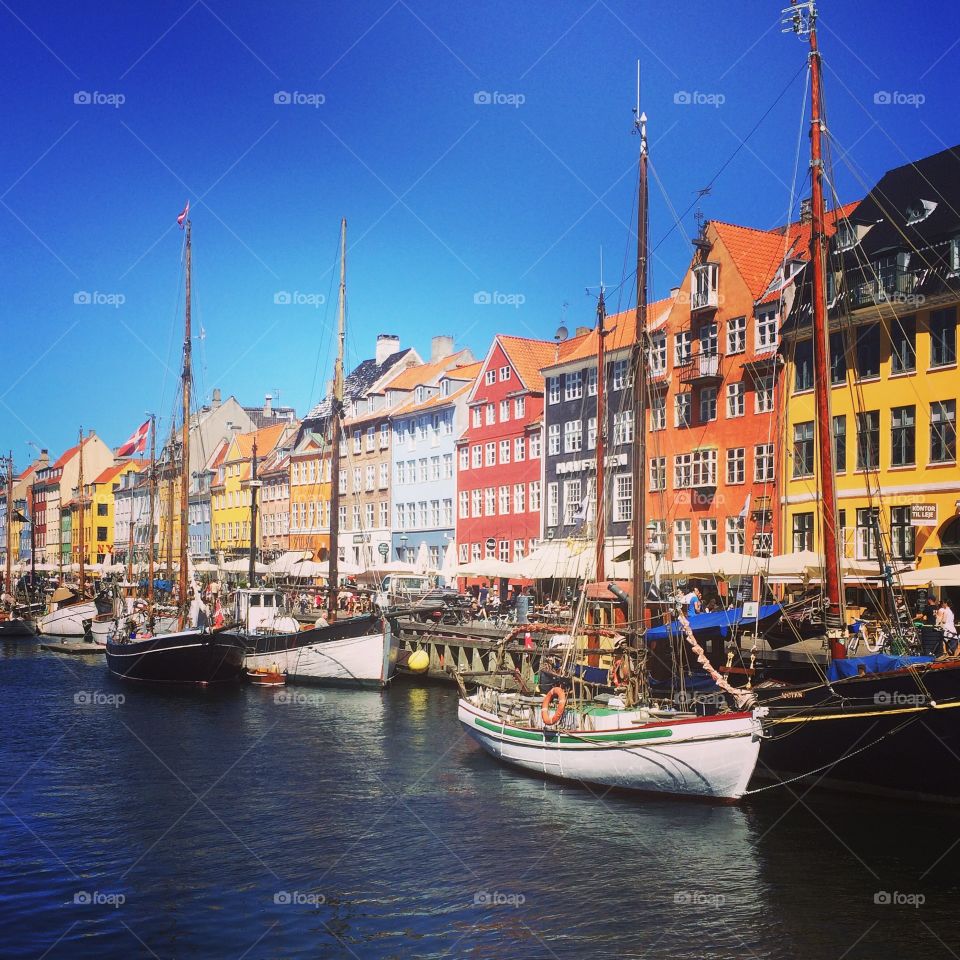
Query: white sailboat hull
(368, 661)
(709, 758)
(68, 621)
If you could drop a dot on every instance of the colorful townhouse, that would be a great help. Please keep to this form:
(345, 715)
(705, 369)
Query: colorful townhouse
(22, 507)
(275, 502)
(425, 430)
(894, 288)
(309, 495)
(99, 522)
(499, 469)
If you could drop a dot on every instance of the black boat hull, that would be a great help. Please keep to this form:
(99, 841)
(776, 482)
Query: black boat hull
(189, 657)
(895, 734)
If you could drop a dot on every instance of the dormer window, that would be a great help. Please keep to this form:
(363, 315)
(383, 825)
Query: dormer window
(846, 235)
(419, 395)
(703, 293)
(444, 388)
(919, 210)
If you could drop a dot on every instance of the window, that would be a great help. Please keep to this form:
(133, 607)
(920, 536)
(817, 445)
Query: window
(620, 374)
(736, 465)
(464, 504)
(658, 473)
(623, 427)
(592, 433)
(838, 358)
(572, 494)
(763, 394)
(802, 531)
(943, 338)
(681, 539)
(422, 470)
(708, 404)
(448, 512)
(737, 335)
(536, 439)
(681, 348)
(476, 503)
(490, 377)
(356, 517)
(868, 351)
(766, 330)
(658, 412)
(491, 417)
(370, 478)
(735, 399)
(703, 468)
(503, 500)
(463, 551)
(803, 449)
(356, 441)
(943, 431)
(572, 436)
(519, 498)
(592, 382)
(903, 436)
(682, 406)
(504, 374)
(708, 340)
(623, 497)
(553, 389)
(682, 471)
(840, 443)
(763, 463)
(553, 440)
(476, 416)
(477, 454)
(519, 449)
(903, 344)
(519, 408)
(357, 480)
(902, 534)
(101, 531)
(868, 440)
(447, 466)
(504, 411)
(489, 502)
(573, 386)
(803, 366)
(553, 504)
(503, 550)
(371, 439)
(866, 542)
(504, 451)
(517, 550)
(475, 551)
(490, 451)
(658, 353)
(534, 496)
(736, 534)
(434, 468)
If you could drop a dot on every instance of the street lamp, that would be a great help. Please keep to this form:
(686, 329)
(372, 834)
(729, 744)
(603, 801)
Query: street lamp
(402, 553)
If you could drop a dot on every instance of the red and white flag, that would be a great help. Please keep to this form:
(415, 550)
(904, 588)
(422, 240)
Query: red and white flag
(137, 443)
(183, 216)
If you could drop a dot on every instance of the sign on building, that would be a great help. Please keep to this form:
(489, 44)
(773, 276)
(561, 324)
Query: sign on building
(923, 514)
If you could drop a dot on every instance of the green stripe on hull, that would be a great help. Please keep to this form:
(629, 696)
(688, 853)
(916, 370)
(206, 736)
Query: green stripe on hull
(613, 737)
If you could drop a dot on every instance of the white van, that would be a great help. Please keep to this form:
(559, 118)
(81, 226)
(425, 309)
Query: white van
(403, 588)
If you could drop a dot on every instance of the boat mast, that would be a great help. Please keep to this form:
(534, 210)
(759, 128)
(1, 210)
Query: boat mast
(804, 20)
(640, 352)
(151, 492)
(9, 570)
(254, 484)
(83, 569)
(336, 412)
(171, 455)
(184, 449)
(130, 539)
(600, 512)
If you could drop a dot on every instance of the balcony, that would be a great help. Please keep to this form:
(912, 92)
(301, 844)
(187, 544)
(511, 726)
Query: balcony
(702, 368)
(704, 293)
(887, 285)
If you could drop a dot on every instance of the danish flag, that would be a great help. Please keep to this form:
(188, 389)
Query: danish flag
(183, 216)
(137, 443)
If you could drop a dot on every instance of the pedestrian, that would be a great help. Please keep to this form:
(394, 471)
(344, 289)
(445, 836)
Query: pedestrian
(693, 601)
(949, 624)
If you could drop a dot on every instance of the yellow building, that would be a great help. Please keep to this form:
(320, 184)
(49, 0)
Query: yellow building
(98, 514)
(893, 283)
(310, 496)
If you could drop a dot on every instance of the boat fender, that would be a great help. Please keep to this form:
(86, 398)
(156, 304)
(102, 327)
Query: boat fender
(552, 717)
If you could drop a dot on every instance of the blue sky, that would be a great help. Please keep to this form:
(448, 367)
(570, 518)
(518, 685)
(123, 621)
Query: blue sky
(445, 197)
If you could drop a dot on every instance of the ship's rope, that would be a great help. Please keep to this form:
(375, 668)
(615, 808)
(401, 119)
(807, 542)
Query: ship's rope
(743, 698)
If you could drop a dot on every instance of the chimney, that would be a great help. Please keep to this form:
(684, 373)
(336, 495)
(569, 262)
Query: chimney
(440, 348)
(268, 405)
(216, 398)
(806, 210)
(581, 331)
(387, 343)
(673, 292)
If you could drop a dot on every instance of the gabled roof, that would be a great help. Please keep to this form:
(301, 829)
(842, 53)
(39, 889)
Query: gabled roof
(364, 376)
(117, 468)
(65, 457)
(266, 439)
(529, 357)
(431, 403)
(466, 371)
(424, 374)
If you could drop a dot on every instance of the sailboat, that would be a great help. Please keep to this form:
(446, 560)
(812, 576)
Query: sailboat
(198, 654)
(352, 651)
(881, 724)
(629, 739)
(12, 624)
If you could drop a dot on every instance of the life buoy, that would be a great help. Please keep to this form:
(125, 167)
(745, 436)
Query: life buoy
(619, 672)
(552, 718)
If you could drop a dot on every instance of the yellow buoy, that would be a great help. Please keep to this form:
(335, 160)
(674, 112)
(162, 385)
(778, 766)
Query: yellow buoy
(419, 661)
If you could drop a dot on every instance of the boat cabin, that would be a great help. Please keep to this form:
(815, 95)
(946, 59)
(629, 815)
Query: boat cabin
(262, 611)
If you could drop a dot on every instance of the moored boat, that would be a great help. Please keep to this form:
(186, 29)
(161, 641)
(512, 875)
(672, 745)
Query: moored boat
(186, 657)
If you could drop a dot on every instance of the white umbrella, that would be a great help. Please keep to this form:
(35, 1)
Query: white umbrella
(724, 564)
(558, 558)
(204, 566)
(284, 562)
(802, 563)
(948, 576)
(449, 570)
(243, 566)
(422, 563)
(392, 566)
(489, 567)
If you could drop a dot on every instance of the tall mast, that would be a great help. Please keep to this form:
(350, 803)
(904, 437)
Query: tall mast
(151, 493)
(336, 412)
(185, 447)
(640, 352)
(130, 539)
(9, 570)
(254, 484)
(83, 548)
(600, 511)
(171, 456)
(803, 17)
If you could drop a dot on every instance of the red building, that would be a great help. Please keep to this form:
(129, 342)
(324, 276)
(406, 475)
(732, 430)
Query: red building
(499, 482)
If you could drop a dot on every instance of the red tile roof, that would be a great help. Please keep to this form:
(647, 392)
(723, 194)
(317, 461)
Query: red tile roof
(529, 357)
(422, 373)
(111, 472)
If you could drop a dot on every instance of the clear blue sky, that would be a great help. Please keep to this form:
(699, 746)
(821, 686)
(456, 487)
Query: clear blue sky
(445, 197)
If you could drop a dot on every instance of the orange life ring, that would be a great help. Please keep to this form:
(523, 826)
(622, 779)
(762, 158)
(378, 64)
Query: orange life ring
(549, 718)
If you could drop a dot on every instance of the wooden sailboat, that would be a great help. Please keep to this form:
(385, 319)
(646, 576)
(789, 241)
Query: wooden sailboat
(352, 651)
(197, 654)
(629, 740)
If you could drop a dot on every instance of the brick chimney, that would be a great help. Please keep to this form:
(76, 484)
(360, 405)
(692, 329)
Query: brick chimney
(268, 405)
(441, 347)
(806, 210)
(387, 344)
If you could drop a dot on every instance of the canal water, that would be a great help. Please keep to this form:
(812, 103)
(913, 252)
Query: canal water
(254, 823)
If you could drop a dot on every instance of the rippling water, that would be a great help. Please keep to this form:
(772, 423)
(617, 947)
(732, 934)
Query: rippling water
(347, 824)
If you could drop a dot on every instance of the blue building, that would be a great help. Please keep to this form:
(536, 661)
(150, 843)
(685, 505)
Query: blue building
(198, 528)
